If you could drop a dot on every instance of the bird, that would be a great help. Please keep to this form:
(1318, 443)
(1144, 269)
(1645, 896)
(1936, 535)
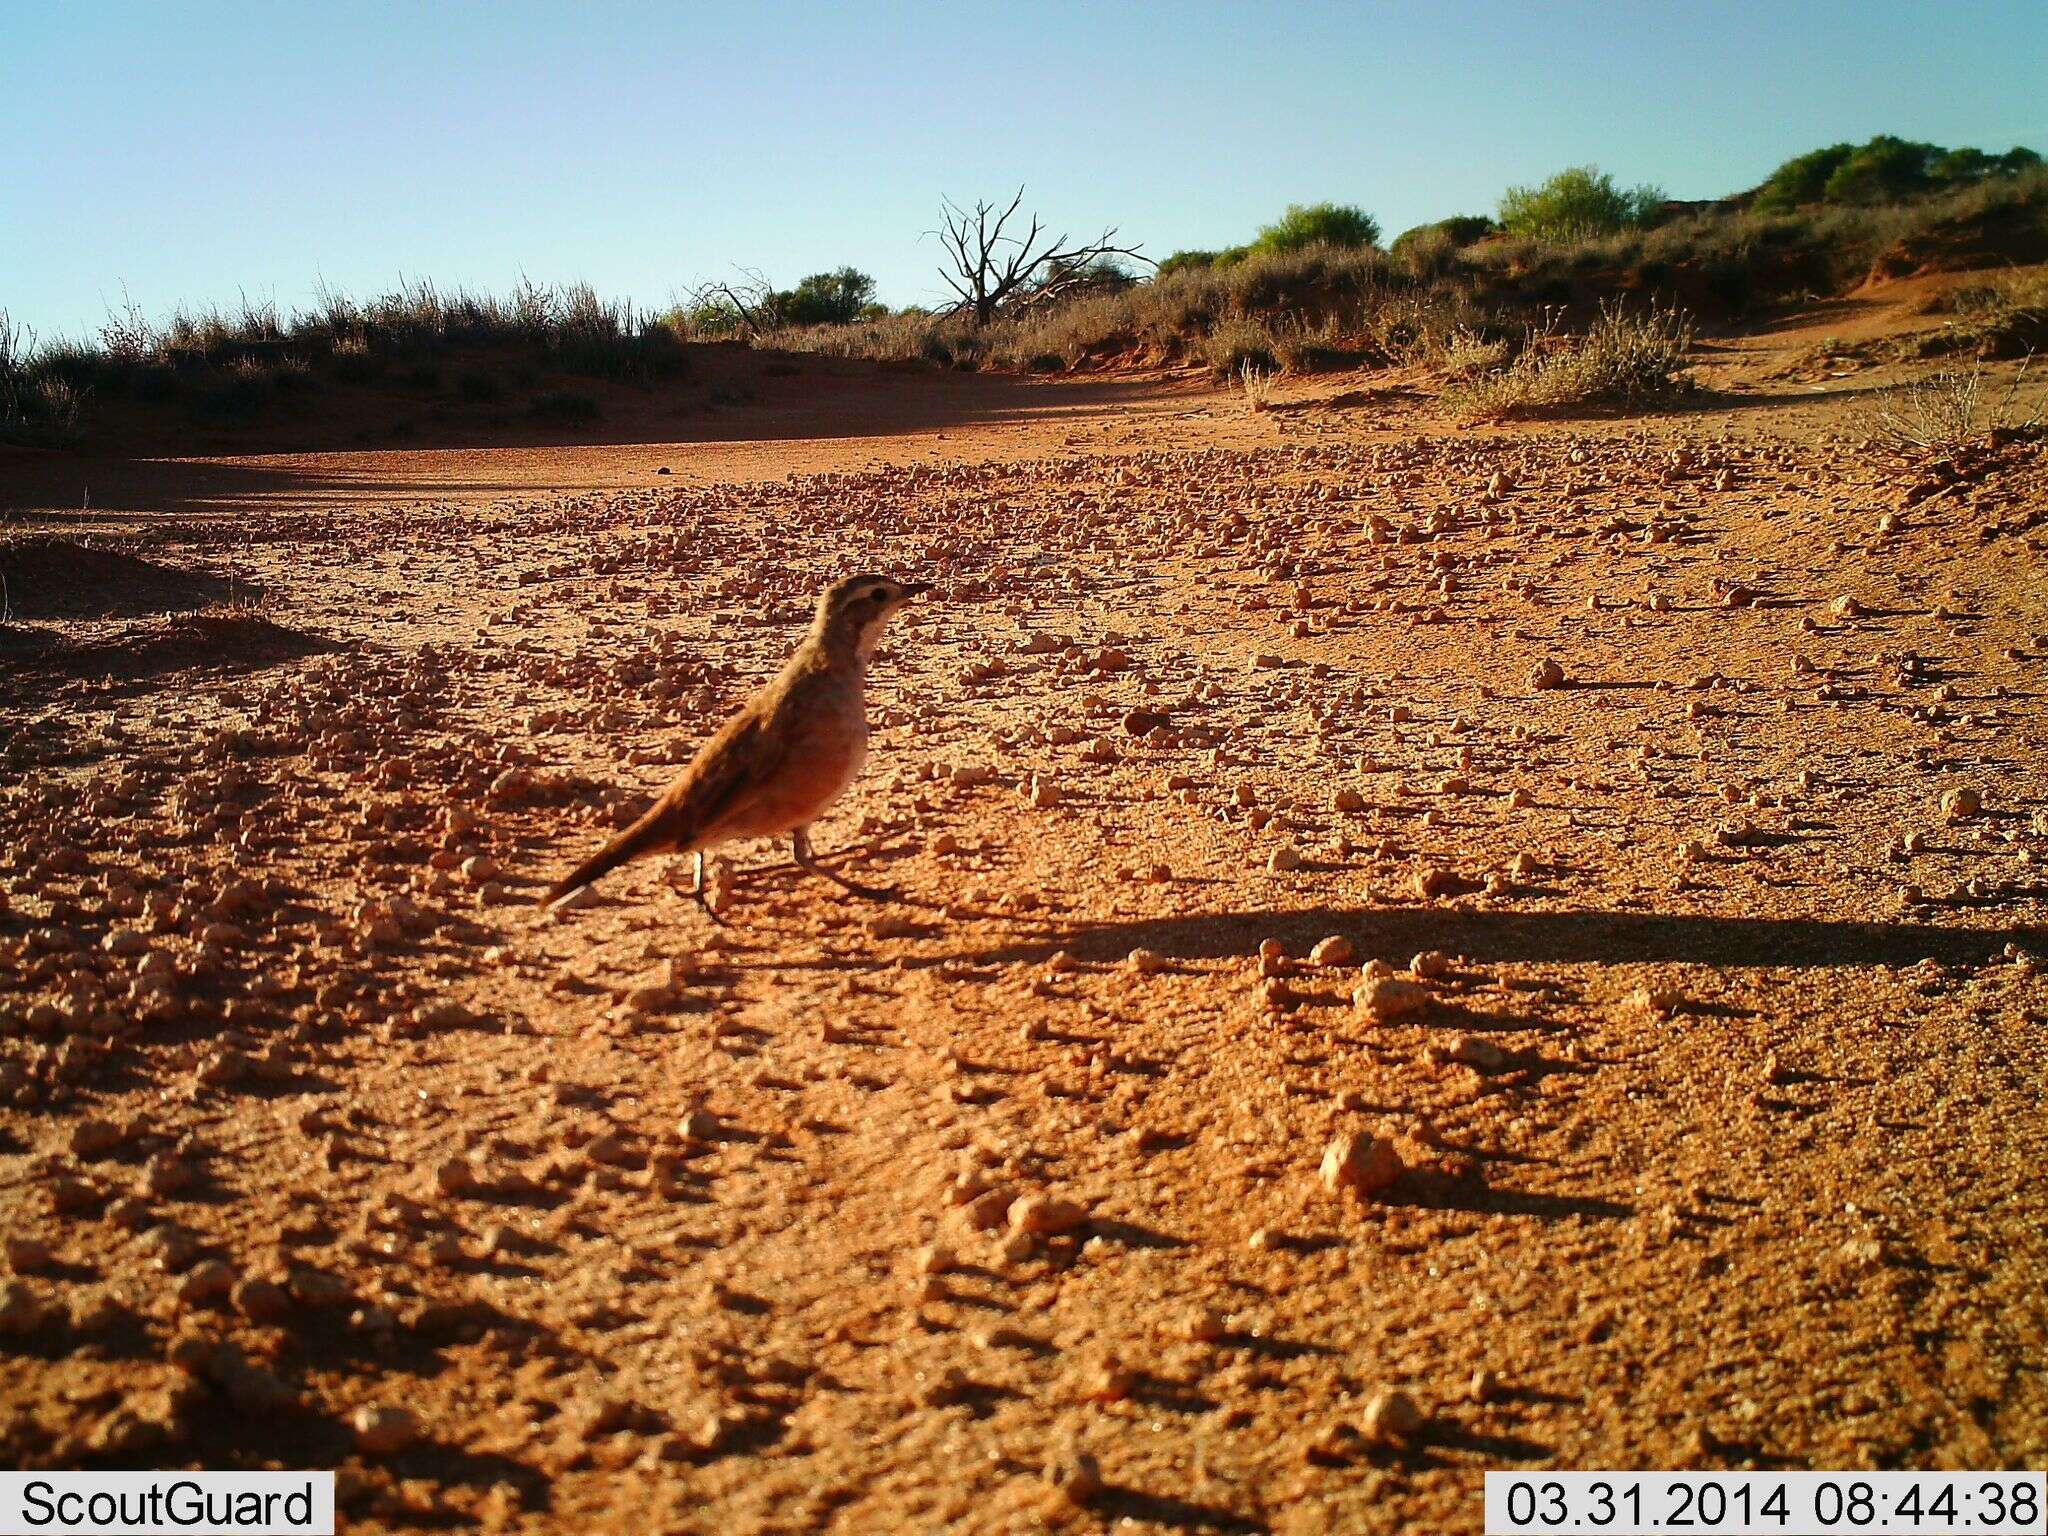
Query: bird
(780, 763)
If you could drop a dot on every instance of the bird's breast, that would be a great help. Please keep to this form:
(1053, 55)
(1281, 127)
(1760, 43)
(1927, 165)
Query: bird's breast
(827, 745)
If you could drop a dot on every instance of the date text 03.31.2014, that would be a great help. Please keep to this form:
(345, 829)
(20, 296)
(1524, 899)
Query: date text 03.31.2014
(1766, 1503)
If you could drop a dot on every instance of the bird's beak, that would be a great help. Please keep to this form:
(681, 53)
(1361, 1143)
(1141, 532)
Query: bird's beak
(915, 588)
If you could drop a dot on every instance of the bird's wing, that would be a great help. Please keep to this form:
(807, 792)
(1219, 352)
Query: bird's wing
(719, 782)
(734, 766)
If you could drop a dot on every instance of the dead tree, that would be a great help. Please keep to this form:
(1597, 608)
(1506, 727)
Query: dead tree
(988, 266)
(751, 306)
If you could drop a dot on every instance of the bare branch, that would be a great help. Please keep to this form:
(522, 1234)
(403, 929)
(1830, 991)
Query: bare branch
(991, 268)
(752, 304)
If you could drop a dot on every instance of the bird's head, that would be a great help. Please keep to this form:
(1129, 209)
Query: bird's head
(853, 611)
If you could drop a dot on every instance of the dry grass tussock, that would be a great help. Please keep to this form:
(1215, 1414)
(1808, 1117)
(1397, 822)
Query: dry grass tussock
(2006, 316)
(223, 365)
(1624, 358)
(1257, 384)
(36, 407)
(1944, 412)
(910, 336)
(1469, 354)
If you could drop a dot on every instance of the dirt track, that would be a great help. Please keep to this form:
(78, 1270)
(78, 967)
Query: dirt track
(1719, 1113)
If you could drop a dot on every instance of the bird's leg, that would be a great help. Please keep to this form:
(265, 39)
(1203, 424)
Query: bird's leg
(800, 846)
(702, 891)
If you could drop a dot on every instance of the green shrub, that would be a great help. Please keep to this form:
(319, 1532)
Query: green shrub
(1576, 204)
(1186, 261)
(1883, 169)
(1887, 169)
(1429, 250)
(1460, 229)
(1952, 166)
(826, 298)
(1304, 225)
(1802, 179)
(1316, 280)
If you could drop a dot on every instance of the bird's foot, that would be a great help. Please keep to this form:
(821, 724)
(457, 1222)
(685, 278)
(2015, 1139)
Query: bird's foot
(704, 901)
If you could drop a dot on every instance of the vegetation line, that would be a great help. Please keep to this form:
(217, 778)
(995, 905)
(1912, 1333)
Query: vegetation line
(1577, 291)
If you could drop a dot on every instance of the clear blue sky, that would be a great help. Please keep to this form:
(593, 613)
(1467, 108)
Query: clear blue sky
(192, 151)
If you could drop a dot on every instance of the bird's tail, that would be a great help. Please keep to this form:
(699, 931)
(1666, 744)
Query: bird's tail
(647, 835)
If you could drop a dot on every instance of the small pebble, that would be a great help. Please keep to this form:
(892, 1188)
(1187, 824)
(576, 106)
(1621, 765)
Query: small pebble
(1392, 1416)
(1360, 1162)
(383, 1430)
(1335, 950)
(1389, 998)
(1045, 1215)
(1961, 804)
(1431, 964)
(1073, 1474)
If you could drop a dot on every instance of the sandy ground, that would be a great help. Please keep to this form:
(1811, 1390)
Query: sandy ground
(1698, 1123)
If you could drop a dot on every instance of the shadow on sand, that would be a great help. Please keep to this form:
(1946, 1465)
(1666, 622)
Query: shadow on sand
(1596, 937)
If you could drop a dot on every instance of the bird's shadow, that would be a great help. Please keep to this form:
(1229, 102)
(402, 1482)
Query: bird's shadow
(1494, 937)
